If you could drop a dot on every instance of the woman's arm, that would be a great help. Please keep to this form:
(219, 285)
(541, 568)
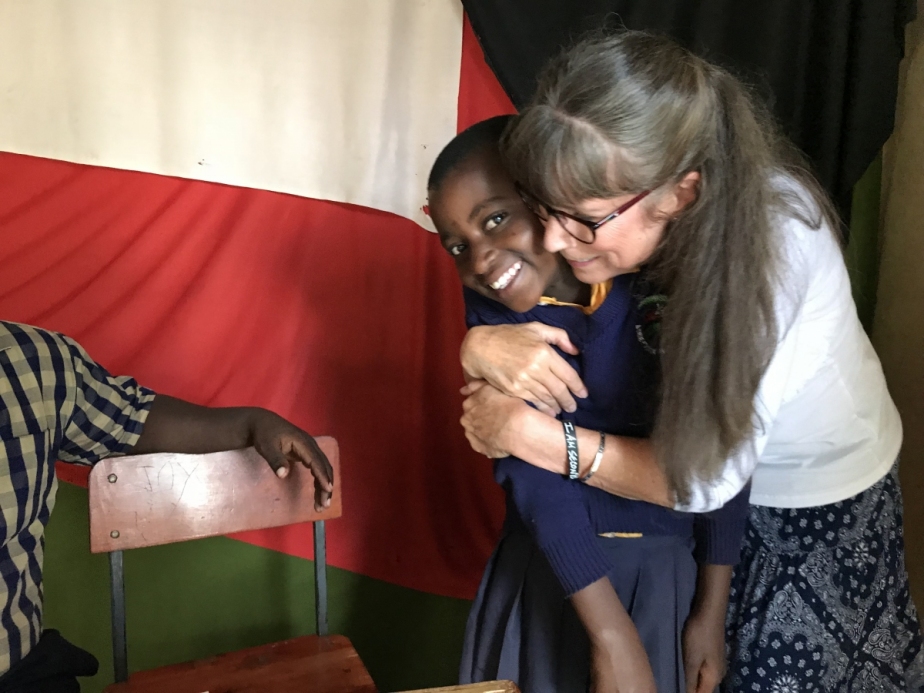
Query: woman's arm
(519, 361)
(498, 425)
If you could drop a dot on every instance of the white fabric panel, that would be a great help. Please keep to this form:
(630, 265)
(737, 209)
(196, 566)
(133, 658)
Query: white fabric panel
(345, 100)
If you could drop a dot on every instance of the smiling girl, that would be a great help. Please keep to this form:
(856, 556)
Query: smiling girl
(584, 587)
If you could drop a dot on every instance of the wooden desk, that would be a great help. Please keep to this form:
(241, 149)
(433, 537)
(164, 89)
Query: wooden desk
(489, 687)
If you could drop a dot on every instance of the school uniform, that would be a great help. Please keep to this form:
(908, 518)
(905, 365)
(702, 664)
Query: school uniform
(561, 535)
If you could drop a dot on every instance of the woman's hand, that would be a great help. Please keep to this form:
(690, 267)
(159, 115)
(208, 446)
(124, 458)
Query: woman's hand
(491, 419)
(519, 361)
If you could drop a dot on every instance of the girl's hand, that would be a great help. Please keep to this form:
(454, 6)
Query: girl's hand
(491, 419)
(704, 661)
(703, 654)
(519, 361)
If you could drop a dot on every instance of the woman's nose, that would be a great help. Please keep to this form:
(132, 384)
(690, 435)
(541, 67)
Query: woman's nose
(556, 238)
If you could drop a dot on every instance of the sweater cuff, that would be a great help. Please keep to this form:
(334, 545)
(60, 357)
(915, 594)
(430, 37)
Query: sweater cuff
(718, 543)
(719, 534)
(577, 561)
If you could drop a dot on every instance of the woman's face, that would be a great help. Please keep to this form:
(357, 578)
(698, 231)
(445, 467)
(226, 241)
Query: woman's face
(621, 246)
(625, 243)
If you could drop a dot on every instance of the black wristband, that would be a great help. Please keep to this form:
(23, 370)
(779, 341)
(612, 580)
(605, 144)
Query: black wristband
(571, 449)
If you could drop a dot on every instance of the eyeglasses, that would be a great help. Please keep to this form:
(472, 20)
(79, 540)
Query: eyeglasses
(582, 229)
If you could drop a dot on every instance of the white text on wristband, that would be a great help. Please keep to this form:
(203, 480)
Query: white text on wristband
(571, 446)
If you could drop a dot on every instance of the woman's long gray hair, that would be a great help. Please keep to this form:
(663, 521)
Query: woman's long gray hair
(629, 112)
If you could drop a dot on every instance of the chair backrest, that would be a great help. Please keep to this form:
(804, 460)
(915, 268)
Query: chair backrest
(146, 500)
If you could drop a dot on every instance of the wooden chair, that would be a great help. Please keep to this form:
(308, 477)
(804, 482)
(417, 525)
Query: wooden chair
(148, 500)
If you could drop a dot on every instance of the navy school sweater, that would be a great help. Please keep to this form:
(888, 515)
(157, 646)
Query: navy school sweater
(565, 516)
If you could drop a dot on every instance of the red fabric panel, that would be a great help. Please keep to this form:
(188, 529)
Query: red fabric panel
(480, 94)
(75, 474)
(343, 319)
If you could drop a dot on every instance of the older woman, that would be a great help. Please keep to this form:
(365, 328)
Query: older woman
(766, 373)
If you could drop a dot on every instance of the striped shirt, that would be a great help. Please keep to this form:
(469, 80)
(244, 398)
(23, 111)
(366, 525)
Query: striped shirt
(55, 403)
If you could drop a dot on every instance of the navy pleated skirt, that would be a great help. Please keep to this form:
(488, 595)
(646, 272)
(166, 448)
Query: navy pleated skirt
(523, 628)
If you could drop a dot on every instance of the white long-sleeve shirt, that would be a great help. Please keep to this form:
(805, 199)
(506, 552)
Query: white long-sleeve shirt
(828, 428)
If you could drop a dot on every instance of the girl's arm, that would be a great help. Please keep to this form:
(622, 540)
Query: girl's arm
(718, 535)
(704, 658)
(619, 663)
(553, 510)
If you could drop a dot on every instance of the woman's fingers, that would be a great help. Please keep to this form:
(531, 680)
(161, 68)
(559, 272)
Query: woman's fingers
(473, 387)
(549, 409)
(545, 379)
(487, 418)
(519, 361)
(554, 336)
(551, 382)
(567, 376)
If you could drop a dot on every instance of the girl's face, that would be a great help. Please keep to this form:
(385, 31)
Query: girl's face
(623, 244)
(495, 240)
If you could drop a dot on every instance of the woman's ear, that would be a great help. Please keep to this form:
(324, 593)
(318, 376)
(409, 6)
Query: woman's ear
(685, 192)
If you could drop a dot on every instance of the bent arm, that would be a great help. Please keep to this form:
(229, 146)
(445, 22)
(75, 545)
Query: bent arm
(629, 468)
(553, 510)
(175, 425)
(498, 425)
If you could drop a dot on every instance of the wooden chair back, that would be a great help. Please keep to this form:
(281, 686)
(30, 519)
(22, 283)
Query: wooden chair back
(146, 500)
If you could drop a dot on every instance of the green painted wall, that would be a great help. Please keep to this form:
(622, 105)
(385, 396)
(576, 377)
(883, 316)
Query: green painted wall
(201, 598)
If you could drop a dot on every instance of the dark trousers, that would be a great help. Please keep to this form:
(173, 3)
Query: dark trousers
(52, 666)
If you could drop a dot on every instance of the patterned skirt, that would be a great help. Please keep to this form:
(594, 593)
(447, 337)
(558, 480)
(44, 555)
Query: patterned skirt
(820, 600)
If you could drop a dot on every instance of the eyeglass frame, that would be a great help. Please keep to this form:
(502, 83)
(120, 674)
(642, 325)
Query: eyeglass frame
(544, 212)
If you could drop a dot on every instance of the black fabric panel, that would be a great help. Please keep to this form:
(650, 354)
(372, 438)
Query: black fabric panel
(828, 68)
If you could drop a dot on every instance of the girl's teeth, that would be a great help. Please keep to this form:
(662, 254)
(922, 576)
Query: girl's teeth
(506, 277)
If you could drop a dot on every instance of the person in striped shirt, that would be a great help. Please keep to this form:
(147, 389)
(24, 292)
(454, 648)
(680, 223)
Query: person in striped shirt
(57, 403)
